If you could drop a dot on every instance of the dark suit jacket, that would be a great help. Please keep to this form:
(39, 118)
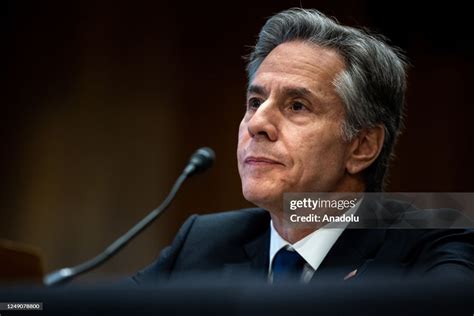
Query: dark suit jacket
(235, 243)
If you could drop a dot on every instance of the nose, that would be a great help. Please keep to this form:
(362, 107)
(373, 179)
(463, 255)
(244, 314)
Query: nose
(263, 123)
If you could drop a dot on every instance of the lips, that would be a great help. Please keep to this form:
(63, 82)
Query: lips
(256, 160)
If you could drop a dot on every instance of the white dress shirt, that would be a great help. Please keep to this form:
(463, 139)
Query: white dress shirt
(313, 248)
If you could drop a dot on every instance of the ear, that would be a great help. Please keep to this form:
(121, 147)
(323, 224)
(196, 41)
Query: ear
(364, 149)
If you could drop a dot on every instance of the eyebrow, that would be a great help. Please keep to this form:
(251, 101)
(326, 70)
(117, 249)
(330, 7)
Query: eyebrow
(292, 91)
(255, 89)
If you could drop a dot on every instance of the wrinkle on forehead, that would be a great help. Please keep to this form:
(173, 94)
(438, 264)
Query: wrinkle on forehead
(308, 58)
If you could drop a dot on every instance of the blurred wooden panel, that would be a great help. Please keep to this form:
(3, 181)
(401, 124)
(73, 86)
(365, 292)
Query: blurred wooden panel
(20, 263)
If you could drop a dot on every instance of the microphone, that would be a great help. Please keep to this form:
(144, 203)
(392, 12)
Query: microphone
(200, 161)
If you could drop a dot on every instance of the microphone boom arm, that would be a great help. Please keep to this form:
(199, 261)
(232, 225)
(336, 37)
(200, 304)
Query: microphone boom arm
(200, 161)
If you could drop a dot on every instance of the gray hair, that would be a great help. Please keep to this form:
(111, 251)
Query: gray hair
(372, 85)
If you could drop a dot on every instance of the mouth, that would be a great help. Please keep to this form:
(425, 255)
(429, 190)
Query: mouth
(261, 161)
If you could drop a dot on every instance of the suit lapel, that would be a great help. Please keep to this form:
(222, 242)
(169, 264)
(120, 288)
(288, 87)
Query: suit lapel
(354, 249)
(357, 246)
(255, 261)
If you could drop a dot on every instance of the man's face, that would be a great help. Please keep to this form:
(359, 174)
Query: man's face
(290, 137)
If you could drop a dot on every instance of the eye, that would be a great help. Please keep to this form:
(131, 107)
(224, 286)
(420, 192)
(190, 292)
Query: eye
(298, 107)
(254, 103)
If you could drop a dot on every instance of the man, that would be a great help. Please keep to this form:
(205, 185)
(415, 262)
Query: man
(324, 109)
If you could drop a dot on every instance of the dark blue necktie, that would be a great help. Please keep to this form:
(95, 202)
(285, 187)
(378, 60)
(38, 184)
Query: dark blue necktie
(287, 265)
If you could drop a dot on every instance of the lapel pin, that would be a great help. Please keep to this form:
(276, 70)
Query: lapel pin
(350, 274)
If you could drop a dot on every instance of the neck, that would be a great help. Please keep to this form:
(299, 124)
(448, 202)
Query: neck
(293, 234)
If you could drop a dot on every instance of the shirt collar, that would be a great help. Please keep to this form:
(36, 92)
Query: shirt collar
(314, 247)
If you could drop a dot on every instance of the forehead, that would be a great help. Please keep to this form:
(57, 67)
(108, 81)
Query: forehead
(300, 64)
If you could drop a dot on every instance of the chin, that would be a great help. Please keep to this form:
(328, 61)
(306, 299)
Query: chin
(264, 198)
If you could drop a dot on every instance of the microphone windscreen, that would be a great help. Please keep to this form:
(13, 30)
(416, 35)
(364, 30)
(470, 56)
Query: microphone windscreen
(202, 159)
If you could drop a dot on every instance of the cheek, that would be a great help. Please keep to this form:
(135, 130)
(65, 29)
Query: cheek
(243, 130)
(242, 138)
(319, 156)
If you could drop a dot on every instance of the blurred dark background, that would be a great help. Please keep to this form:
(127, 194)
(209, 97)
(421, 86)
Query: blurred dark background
(104, 103)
